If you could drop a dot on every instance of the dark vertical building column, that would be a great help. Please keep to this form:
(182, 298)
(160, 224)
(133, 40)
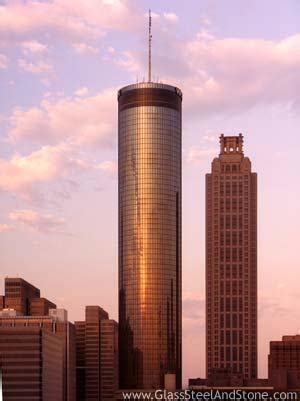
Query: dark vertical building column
(96, 356)
(93, 318)
(80, 360)
(109, 359)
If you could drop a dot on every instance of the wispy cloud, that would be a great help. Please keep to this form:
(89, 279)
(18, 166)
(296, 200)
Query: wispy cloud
(171, 17)
(226, 75)
(5, 228)
(88, 120)
(84, 48)
(33, 46)
(196, 154)
(193, 307)
(83, 91)
(45, 223)
(21, 174)
(88, 19)
(247, 69)
(3, 62)
(130, 61)
(280, 302)
(39, 67)
(205, 21)
(59, 167)
(108, 166)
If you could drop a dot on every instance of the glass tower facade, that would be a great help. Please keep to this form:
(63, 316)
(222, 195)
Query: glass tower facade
(149, 234)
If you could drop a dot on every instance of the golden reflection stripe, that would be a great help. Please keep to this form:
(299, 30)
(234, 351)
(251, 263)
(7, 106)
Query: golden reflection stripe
(143, 226)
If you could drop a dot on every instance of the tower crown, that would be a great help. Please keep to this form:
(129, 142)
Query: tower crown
(231, 144)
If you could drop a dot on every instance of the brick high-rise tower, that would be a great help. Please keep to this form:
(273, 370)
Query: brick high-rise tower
(231, 262)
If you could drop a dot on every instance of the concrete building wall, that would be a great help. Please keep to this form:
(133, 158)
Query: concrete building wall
(18, 295)
(65, 332)
(40, 307)
(284, 363)
(53, 372)
(31, 360)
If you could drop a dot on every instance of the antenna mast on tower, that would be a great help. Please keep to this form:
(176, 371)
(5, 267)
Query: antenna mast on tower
(150, 44)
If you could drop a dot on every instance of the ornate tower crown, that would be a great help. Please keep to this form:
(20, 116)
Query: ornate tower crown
(231, 144)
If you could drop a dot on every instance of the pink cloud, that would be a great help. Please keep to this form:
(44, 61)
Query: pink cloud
(233, 74)
(108, 166)
(3, 62)
(44, 223)
(205, 21)
(130, 61)
(205, 150)
(225, 75)
(76, 19)
(172, 17)
(83, 48)
(83, 91)
(21, 173)
(55, 168)
(197, 154)
(81, 121)
(69, 128)
(33, 46)
(39, 67)
(194, 307)
(5, 227)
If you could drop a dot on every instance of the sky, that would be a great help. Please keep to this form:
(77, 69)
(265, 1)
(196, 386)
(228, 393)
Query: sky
(61, 65)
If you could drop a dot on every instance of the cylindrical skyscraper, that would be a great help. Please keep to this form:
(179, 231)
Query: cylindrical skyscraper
(149, 234)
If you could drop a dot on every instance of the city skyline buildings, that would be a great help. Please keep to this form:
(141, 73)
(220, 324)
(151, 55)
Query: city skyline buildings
(41, 338)
(255, 106)
(64, 361)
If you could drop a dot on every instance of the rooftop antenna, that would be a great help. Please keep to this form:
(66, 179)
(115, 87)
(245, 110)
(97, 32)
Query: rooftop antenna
(150, 44)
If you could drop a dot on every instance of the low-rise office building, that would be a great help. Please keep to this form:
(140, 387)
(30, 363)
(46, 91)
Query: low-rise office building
(31, 362)
(284, 363)
(24, 309)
